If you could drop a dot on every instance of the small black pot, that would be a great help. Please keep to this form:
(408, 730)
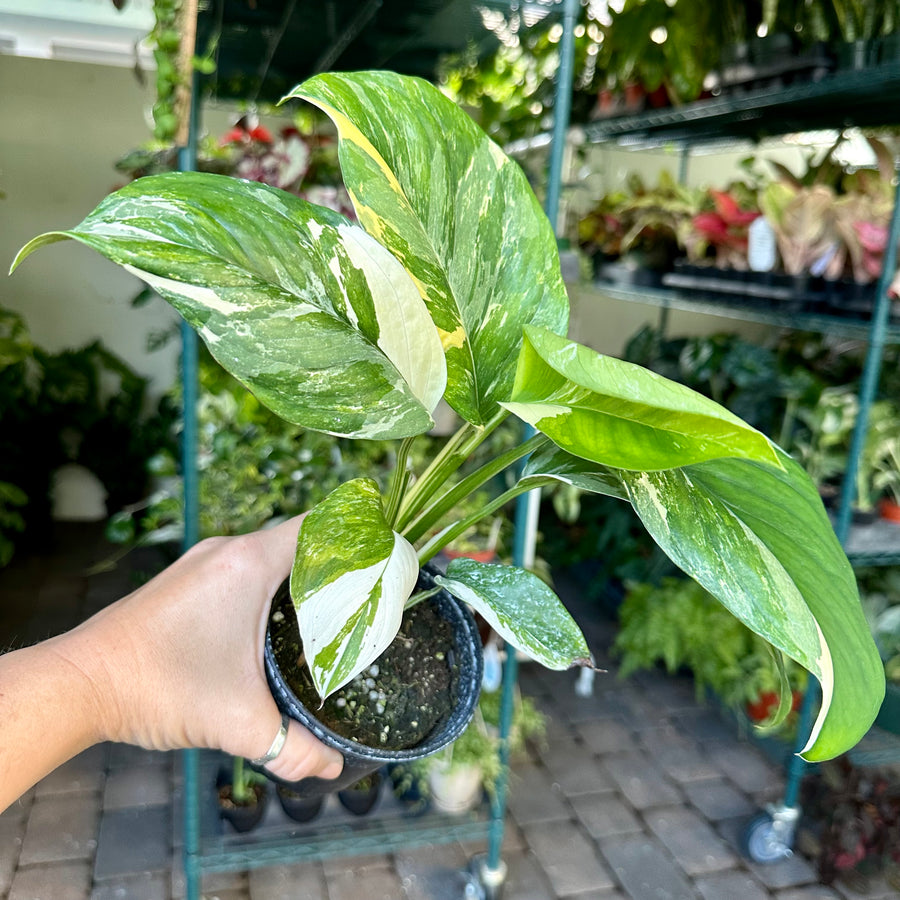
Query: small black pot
(864, 516)
(360, 800)
(242, 818)
(361, 760)
(300, 809)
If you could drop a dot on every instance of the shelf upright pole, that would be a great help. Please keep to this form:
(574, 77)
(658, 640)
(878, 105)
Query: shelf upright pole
(528, 505)
(869, 385)
(186, 142)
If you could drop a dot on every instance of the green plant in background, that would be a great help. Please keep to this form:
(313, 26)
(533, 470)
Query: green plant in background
(244, 780)
(678, 624)
(512, 90)
(875, 469)
(849, 20)
(827, 428)
(656, 44)
(12, 522)
(165, 38)
(880, 595)
(85, 406)
(479, 744)
(450, 287)
(254, 467)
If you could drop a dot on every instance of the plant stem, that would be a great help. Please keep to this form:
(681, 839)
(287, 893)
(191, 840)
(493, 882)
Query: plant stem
(433, 513)
(239, 790)
(399, 481)
(419, 596)
(453, 454)
(452, 532)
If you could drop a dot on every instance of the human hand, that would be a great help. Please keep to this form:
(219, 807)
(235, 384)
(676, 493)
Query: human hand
(179, 662)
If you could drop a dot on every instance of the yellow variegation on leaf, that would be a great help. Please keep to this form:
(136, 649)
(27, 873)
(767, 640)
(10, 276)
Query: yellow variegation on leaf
(452, 287)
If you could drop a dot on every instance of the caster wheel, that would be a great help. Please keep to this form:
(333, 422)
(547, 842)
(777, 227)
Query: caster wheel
(763, 841)
(484, 883)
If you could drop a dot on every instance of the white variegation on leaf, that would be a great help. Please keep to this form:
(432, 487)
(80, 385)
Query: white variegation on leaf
(521, 608)
(347, 331)
(302, 306)
(622, 415)
(458, 213)
(352, 576)
(759, 540)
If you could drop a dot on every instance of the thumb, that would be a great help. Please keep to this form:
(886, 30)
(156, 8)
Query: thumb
(302, 755)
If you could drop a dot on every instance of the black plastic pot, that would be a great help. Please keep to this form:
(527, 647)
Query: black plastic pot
(360, 760)
(360, 798)
(241, 818)
(300, 809)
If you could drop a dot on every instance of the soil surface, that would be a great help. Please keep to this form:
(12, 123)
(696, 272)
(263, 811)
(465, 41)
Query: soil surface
(395, 703)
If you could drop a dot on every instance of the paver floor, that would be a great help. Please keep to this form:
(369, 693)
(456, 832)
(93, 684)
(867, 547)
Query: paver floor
(638, 792)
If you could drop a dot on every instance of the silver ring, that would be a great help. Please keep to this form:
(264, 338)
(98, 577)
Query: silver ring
(277, 744)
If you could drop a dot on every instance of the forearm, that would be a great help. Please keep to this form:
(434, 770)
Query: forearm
(49, 713)
(177, 663)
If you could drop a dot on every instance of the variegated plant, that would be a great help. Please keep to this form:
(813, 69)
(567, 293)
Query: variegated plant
(450, 287)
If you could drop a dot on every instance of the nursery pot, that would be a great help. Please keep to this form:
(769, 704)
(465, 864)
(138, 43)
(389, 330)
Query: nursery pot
(300, 809)
(243, 818)
(889, 510)
(464, 653)
(455, 789)
(360, 798)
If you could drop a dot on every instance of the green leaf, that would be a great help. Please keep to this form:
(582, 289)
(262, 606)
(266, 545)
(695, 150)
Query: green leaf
(443, 198)
(758, 539)
(352, 576)
(302, 306)
(521, 608)
(620, 414)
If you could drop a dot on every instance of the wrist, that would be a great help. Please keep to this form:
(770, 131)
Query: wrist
(88, 654)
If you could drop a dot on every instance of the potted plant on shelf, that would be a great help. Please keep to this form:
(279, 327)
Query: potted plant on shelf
(874, 469)
(242, 795)
(463, 771)
(882, 606)
(361, 797)
(823, 441)
(679, 625)
(450, 287)
(887, 473)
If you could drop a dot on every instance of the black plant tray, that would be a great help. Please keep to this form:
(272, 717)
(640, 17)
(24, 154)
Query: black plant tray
(773, 290)
(334, 832)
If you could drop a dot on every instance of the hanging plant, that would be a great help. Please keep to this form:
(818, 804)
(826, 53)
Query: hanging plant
(172, 39)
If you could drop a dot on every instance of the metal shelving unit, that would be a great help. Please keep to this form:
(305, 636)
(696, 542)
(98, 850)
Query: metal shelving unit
(862, 97)
(667, 298)
(865, 98)
(207, 844)
(335, 832)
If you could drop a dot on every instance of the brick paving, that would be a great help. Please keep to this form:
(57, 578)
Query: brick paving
(639, 792)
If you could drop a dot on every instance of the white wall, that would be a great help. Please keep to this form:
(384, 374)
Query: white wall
(68, 123)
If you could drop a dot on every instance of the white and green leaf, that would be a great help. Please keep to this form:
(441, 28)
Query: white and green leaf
(298, 303)
(758, 538)
(351, 577)
(459, 215)
(521, 608)
(622, 415)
